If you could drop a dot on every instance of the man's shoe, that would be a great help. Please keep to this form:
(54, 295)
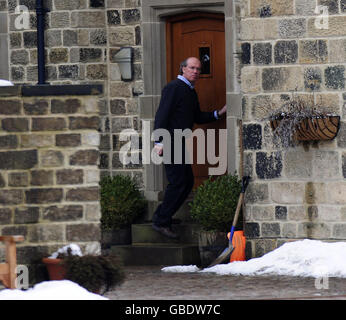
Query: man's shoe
(166, 231)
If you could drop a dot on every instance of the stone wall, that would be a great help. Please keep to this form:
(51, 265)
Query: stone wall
(82, 38)
(49, 175)
(297, 192)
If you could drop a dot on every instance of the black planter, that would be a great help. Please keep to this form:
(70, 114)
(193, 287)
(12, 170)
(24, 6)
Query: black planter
(211, 244)
(116, 237)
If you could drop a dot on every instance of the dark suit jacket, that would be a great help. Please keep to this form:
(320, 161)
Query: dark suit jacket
(179, 108)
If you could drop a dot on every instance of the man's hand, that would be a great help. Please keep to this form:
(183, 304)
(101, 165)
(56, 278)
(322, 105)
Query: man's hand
(223, 110)
(159, 149)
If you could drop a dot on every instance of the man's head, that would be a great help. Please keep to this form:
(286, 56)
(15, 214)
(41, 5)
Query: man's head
(191, 69)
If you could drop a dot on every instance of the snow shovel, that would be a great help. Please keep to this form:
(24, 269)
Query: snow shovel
(228, 251)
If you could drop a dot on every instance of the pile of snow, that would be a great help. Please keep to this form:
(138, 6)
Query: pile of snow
(305, 258)
(51, 290)
(5, 83)
(72, 249)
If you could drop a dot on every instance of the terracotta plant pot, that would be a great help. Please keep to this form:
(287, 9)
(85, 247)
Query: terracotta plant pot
(56, 269)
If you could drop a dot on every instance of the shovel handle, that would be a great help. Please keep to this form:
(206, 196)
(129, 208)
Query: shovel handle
(245, 183)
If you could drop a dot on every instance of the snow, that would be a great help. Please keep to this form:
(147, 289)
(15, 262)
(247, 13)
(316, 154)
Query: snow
(304, 258)
(51, 290)
(5, 83)
(75, 251)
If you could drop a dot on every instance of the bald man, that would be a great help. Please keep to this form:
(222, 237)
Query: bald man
(179, 109)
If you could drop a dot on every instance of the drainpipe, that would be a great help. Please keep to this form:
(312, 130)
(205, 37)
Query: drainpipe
(40, 13)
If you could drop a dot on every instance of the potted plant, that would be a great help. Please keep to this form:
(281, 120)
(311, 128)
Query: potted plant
(302, 120)
(93, 272)
(121, 203)
(213, 207)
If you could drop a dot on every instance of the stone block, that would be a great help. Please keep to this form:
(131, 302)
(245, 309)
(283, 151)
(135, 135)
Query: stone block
(252, 230)
(41, 177)
(36, 107)
(120, 89)
(339, 231)
(281, 213)
(15, 124)
(51, 158)
(36, 140)
(305, 8)
(19, 57)
(316, 192)
(286, 52)
(84, 158)
(68, 72)
(268, 166)
(70, 38)
(313, 51)
(69, 176)
(337, 50)
(282, 79)
(287, 192)
(43, 195)
(257, 193)
(66, 106)
(314, 230)
(297, 213)
(337, 196)
(10, 107)
(69, 5)
(80, 123)
(270, 230)
(26, 215)
(63, 213)
(252, 137)
(298, 164)
(90, 55)
(58, 55)
(335, 77)
(117, 107)
(18, 160)
(68, 140)
(326, 164)
(121, 123)
(5, 216)
(246, 53)
(262, 213)
(333, 5)
(251, 79)
(312, 79)
(83, 232)
(48, 124)
(97, 72)
(131, 16)
(46, 233)
(88, 19)
(8, 142)
(18, 179)
(292, 28)
(289, 230)
(122, 36)
(113, 17)
(262, 53)
(92, 212)
(267, 8)
(11, 197)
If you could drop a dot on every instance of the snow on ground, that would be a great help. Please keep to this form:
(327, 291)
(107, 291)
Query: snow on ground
(305, 258)
(51, 290)
(73, 248)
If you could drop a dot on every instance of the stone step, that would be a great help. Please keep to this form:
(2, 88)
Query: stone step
(144, 233)
(158, 254)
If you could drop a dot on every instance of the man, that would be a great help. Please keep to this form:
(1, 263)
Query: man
(178, 109)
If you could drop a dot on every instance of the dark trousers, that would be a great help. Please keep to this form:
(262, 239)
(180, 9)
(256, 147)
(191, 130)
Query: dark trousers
(180, 183)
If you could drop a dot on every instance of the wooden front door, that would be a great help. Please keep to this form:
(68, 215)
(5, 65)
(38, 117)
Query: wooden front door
(200, 35)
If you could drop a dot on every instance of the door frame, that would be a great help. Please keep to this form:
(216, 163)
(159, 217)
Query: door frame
(154, 14)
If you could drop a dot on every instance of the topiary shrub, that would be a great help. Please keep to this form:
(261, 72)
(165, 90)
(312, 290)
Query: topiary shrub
(121, 202)
(215, 202)
(94, 272)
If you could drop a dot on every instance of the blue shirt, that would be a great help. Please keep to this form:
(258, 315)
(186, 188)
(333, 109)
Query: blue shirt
(182, 78)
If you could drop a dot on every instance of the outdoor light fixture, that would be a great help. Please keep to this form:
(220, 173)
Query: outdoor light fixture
(124, 59)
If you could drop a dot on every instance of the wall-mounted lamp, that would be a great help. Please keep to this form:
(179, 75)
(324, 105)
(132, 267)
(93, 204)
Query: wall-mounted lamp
(124, 59)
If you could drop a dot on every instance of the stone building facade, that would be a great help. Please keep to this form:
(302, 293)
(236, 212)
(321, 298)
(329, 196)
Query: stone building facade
(274, 49)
